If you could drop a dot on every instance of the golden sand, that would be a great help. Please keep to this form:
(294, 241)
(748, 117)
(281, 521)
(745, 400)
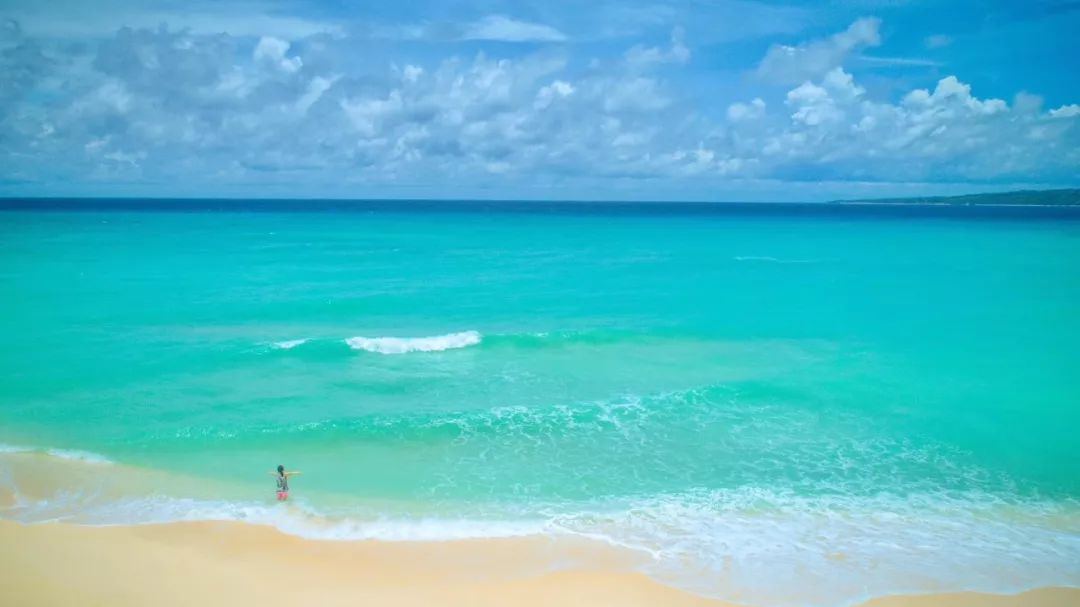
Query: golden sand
(237, 564)
(233, 564)
(1042, 597)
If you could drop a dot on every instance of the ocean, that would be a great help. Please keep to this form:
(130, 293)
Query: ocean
(782, 405)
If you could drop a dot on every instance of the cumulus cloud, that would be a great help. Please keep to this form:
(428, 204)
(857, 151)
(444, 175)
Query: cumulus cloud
(505, 29)
(162, 104)
(949, 95)
(553, 92)
(785, 64)
(832, 125)
(272, 51)
(159, 105)
(1025, 102)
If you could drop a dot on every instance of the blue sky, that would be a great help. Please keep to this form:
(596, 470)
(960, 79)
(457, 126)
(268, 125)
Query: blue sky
(621, 100)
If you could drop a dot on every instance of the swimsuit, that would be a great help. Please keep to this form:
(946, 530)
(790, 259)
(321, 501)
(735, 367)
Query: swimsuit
(282, 487)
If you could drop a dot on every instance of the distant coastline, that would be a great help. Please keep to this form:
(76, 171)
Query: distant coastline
(1069, 197)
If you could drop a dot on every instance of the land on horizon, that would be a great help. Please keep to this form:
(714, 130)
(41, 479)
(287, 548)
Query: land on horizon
(1065, 197)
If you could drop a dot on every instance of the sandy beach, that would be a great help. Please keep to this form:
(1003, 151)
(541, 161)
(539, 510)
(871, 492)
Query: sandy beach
(239, 564)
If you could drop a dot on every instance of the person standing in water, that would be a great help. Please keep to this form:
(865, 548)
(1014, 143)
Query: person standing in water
(283, 482)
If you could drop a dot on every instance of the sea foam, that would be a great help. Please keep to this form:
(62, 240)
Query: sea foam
(87, 457)
(403, 345)
(771, 548)
(289, 344)
(81, 456)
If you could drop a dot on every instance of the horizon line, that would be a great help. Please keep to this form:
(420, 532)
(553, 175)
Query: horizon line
(838, 201)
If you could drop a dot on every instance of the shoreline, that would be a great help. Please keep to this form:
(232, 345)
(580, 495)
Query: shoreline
(461, 566)
(228, 563)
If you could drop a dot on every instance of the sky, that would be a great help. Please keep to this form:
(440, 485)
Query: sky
(711, 100)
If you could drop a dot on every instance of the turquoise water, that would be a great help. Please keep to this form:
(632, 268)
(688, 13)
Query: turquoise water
(873, 404)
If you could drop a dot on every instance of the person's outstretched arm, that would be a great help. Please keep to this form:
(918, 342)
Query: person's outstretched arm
(292, 473)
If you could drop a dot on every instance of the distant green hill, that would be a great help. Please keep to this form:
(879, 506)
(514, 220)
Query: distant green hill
(1057, 198)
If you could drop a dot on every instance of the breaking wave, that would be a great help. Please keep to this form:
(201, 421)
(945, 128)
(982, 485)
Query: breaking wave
(403, 345)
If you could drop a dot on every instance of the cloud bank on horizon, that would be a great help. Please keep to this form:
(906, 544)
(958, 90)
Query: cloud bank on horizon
(728, 100)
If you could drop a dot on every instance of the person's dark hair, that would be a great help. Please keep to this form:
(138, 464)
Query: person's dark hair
(281, 469)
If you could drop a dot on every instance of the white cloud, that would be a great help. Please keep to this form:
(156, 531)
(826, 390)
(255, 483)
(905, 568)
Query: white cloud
(505, 29)
(644, 57)
(739, 112)
(411, 73)
(817, 105)
(1066, 111)
(315, 90)
(813, 106)
(552, 92)
(793, 64)
(833, 126)
(168, 106)
(1025, 102)
(371, 116)
(125, 158)
(873, 60)
(272, 51)
(633, 94)
(949, 95)
(111, 96)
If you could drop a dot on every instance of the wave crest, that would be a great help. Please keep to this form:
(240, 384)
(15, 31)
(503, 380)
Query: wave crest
(289, 344)
(403, 345)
